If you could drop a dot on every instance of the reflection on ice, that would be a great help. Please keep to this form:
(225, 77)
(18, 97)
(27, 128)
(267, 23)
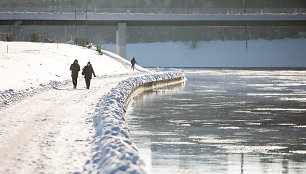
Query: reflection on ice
(208, 124)
(211, 140)
(253, 124)
(294, 99)
(186, 125)
(251, 149)
(252, 112)
(273, 88)
(174, 143)
(276, 94)
(262, 130)
(286, 124)
(298, 151)
(280, 109)
(229, 127)
(300, 126)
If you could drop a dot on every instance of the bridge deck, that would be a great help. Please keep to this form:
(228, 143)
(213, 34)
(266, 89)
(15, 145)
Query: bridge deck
(137, 19)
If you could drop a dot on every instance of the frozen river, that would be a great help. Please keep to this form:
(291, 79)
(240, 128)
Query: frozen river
(224, 121)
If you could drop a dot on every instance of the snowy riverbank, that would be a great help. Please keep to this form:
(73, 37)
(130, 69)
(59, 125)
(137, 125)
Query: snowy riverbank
(38, 104)
(115, 150)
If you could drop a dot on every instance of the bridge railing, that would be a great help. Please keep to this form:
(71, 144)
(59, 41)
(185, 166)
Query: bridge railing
(53, 9)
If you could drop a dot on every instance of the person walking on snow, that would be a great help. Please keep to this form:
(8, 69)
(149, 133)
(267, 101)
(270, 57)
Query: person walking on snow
(133, 62)
(75, 68)
(88, 72)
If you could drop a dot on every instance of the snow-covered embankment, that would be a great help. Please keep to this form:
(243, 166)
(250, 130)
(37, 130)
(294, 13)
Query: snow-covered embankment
(115, 150)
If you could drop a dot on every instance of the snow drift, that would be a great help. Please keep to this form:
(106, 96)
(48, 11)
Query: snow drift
(116, 152)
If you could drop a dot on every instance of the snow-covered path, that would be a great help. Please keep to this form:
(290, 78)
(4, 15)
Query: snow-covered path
(48, 127)
(51, 132)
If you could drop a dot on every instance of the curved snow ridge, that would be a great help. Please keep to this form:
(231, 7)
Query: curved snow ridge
(10, 96)
(115, 152)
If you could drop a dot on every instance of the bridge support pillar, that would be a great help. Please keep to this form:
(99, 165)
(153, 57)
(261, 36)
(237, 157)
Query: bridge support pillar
(121, 39)
(16, 28)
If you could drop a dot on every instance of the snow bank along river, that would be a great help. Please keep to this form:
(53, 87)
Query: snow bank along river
(113, 140)
(48, 127)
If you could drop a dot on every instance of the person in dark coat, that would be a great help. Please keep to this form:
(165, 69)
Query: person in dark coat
(133, 62)
(88, 72)
(75, 68)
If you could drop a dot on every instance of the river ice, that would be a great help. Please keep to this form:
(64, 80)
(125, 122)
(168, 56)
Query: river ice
(224, 121)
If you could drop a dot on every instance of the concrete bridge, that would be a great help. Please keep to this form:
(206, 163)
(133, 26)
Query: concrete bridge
(123, 20)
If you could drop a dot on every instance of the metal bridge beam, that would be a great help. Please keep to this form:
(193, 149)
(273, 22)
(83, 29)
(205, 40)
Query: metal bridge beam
(163, 23)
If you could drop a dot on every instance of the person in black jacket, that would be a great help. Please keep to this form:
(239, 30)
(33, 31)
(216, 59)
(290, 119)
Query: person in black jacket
(88, 72)
(75, 68)
(133, 62)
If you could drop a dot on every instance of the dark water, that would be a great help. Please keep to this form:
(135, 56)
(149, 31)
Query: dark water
(224, 121)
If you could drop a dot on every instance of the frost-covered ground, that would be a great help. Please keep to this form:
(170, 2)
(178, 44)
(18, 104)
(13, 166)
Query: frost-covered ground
(48, 127)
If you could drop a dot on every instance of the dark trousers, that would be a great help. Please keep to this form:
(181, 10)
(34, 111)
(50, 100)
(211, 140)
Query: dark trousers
(87, 80)
(74, 81)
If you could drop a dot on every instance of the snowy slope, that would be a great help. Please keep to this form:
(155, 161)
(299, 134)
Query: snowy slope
(32, 64)
(52, 128)
(30, 67)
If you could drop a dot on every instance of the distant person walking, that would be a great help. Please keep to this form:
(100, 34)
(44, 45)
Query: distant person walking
(75, 68)
(133, 62)
(88, 72)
